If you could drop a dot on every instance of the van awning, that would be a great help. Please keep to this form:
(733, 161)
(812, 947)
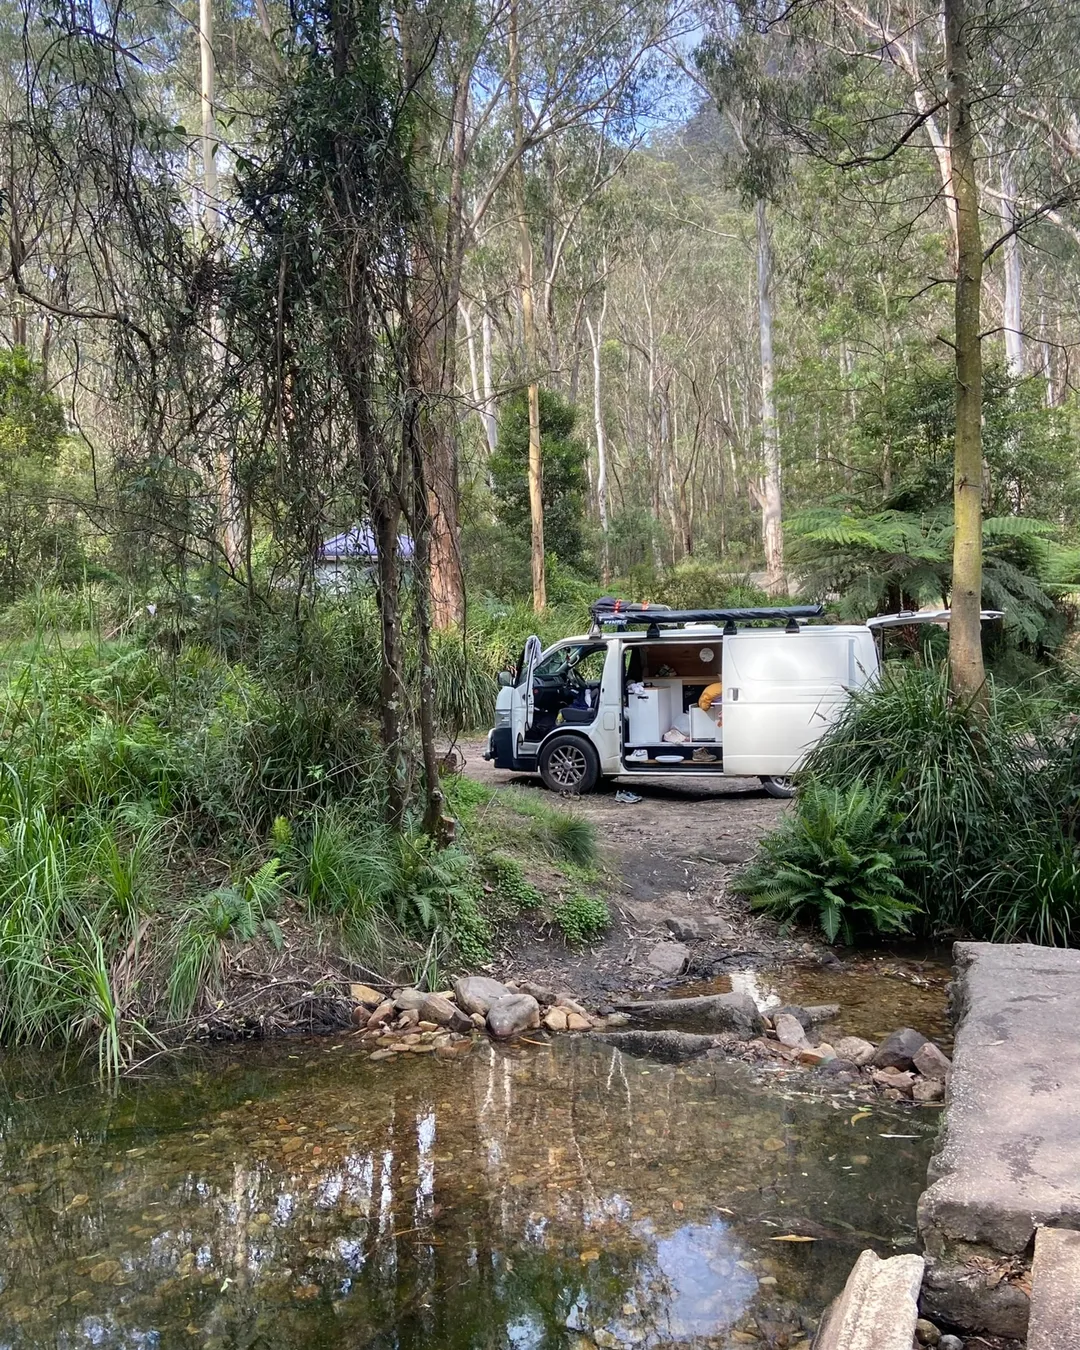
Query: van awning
(626, 615)
(925, 616)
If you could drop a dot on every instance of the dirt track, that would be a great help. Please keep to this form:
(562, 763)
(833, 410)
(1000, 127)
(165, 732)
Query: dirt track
(669, 857)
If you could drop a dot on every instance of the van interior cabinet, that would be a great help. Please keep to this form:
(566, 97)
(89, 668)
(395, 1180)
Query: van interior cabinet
(650, 714)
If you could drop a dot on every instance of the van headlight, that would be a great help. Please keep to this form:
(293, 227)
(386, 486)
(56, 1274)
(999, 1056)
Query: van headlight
(502, 718)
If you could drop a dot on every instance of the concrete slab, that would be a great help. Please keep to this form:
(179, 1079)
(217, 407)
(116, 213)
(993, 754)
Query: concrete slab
(1009, 1157)
(1055, 1291)
(877, 1308)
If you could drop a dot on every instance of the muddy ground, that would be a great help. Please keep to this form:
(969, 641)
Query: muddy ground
(668, 861)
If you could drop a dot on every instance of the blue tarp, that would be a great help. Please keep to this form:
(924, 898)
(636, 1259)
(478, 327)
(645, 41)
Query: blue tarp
(358, 545)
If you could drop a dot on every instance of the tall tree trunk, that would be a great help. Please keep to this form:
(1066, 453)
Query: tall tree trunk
(224, 487)
(769, 498)
(491, 426)
(528, 318)
(436, 292)
(596, 337)
(965, 630)
(1013, 317)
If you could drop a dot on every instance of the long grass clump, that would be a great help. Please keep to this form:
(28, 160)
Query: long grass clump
(974, 807)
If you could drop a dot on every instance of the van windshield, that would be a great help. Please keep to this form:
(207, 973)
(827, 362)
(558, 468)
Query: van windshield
(585, 659)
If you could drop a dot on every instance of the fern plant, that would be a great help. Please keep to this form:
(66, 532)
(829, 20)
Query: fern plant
(837, 858)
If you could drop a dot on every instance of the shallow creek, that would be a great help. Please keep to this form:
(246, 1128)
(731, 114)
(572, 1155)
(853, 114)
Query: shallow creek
(539, 1197)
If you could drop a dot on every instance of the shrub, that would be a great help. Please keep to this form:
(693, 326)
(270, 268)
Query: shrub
(582, 918)
(831, 859)
(510, 884)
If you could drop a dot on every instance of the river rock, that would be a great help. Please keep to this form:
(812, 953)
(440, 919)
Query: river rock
(898, 1050)
(363, 993)
(815, 1055)
(513, 1014)
(710, 1012)
(570, 1005)
(543, 995)
(931, 1063)
(668, 958)
(672, 1047)
(789, 1031)
(555, 1019)
(901, 1080)
(409, 1017)
(478, 1020)
(406, 1000)
(860, 1052)
(928, 1090)
(576, 1022)
(382, 1013)
(436, 1008)
(476, 993)
(926, 1333)
(950, 1343)
(812, 1015)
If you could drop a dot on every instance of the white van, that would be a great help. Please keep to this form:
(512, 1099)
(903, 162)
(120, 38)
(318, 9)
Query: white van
(694, 694)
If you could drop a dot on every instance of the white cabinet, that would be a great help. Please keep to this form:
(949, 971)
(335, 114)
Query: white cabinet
(650, 715)
(703, 725)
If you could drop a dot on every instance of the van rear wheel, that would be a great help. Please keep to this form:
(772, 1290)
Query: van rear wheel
(778, 787)
(569, 764)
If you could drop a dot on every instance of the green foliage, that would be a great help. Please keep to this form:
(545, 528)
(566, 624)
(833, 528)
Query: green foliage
(976, 817)
(442, 889)
(239, 912)
(563, 477)
(562, 834)
(582, 918)
(830, 860)
(34, 539)
(694, 584)
(511, 887)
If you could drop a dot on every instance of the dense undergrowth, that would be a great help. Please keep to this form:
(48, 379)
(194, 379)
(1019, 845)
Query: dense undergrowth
(177, 816)
(922, 813)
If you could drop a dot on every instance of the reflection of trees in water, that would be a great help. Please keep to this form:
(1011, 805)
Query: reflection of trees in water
(500, 1200)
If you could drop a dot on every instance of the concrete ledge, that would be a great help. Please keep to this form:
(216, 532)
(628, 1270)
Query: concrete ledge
(1055, 1291)
(877, 1308)
(1008, 1162)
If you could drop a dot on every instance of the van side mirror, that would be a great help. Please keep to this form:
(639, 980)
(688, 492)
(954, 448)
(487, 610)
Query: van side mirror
(506, 680)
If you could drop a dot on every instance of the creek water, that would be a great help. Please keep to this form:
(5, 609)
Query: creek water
(541, 1197)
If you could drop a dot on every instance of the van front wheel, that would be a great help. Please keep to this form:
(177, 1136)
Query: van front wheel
(569, 764)
(778, 787)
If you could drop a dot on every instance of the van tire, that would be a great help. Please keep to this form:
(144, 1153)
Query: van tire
(776, 786)
(569, 765)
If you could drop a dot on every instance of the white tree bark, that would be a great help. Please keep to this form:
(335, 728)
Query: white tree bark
(596, 337)
(228, 516)
(486, 360)
(1013, 321)
(769, 493)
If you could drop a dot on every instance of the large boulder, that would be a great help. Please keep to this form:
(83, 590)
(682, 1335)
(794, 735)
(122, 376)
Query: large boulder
(789, 1031)
(668, 958)
(512, 1015)
(878, 1307)
(435, 1008)
(672, 1047)
(931, 1063)
(476, 993)
(406, 1000)
(737, 1013)
(898, 1050)
(854, 1048)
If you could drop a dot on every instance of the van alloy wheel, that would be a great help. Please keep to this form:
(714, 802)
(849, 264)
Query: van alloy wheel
(776, 786)
(567, 766)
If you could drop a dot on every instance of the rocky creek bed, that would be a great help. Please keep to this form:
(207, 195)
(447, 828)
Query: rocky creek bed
(414, 1183)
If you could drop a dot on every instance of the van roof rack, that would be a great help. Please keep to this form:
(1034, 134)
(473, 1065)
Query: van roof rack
(623, 614)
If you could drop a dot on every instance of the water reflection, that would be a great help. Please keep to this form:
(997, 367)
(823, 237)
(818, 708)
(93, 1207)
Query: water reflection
(533, 1198)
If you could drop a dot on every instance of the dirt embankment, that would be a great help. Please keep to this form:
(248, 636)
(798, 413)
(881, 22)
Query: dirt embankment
(668, 860)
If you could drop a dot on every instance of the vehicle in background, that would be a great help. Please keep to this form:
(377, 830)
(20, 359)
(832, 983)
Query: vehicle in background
(697, 693)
